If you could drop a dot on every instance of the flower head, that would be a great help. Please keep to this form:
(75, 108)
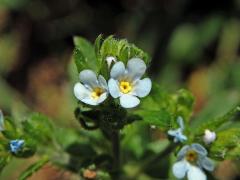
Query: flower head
(178, 133)
(209, 136)
(191, 160)
(1, 121)
(127, 84)
(16, 145)
(91, 90)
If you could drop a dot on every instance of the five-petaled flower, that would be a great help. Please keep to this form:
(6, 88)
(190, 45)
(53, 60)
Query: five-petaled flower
(191, 160)
(16, 145)
(178, 133)
(91, 90)
(126, 82)
(1, 121)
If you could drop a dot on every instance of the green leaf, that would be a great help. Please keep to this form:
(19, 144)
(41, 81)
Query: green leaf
(97, 45)
(3, 162)
(39, 128)
(84, 55)
(122, 50)
(162, 109)
(227, 145)
(33, 168)
(230, 117)
(161, 118)
(184, 102)
(9, 131)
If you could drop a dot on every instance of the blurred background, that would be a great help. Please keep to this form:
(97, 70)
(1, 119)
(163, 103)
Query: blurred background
(193, 44)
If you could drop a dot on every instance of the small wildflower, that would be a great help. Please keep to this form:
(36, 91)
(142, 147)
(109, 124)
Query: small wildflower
(1, 121)
(110, 60)
(126, 82)
(192, 159)
(16, 145)
(91, 90)
(178, 133)
(209, 136)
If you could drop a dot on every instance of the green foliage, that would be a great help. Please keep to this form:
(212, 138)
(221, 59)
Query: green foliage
(39, 128)
(227, 145)
(161, 109)
(84, 55)
(232, 116)
(88, 57)
(9, 131)
(33, 168)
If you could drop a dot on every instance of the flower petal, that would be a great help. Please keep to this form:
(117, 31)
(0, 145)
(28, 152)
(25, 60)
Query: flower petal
(182, 152)
(102, 97)
(195, 173)
(117, 70)
(136, 68)
(102, 82)
(113, 88)
(143, 87)
(80, 91)
(180, 122)
(199, 149)
(172, 132)
(129, 101)
(88, 77)
(207, 164)
(179, 169)
(90, 101)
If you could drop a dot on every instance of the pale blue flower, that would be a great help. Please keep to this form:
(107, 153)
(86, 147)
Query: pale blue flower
(91, 90)
(192, 159)
(178, 133)
(16, 145)
(1, 121)
(126, 83)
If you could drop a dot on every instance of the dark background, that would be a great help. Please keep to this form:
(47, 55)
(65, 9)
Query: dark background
(193, 44)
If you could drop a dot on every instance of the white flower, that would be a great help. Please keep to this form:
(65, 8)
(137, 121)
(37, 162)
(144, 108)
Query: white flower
(191, 160)
(1, 121)
(178, 133)
(110, 59)
(209, 136)
(126, 82)
(91, 90)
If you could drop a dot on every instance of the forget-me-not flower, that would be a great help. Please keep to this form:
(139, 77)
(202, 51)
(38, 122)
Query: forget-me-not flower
(16, 145)
(91, 89)
(209, 136)
(178, 133)
(192, 159)
(1, 121)
(127, 84)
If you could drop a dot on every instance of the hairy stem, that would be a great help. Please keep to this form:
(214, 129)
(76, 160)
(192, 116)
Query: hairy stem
(116, 153)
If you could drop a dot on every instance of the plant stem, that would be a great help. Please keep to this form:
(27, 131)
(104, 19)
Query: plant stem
(116, 153)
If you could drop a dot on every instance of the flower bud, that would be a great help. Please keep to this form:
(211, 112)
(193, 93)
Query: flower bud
(209, 136)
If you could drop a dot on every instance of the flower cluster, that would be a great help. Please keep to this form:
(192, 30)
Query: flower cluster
(125, 83)
(191, 159)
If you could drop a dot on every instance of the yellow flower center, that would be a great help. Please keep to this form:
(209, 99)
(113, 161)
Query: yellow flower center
(125, 87)
(97, 92)
(191, 156)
